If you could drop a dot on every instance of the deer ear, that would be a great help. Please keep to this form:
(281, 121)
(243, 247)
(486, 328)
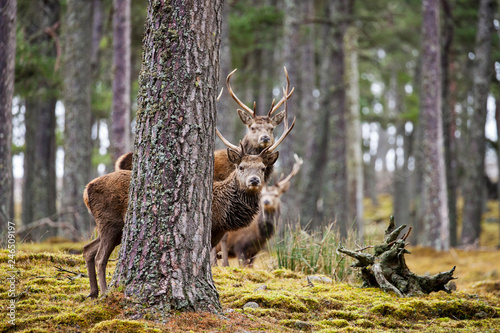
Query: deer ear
(245, 117)
(234, 156)
(270, 159)
(277, 119)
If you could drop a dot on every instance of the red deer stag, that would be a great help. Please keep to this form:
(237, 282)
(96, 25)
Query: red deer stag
(245, 243)
(235, 204)
(259, 134)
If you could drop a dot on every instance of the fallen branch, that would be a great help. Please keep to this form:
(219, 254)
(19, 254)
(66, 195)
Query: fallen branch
(387, 269)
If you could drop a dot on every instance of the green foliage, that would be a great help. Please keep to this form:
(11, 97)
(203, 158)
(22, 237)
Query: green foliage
(253, 28)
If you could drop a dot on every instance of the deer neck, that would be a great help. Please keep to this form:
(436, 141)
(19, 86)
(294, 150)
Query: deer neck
(267, 220)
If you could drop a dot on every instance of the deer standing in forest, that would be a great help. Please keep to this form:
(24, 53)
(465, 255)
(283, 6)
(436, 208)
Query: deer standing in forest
(235, 203)
(246, 243)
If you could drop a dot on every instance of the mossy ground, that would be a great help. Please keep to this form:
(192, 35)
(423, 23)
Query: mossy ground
(51, 300)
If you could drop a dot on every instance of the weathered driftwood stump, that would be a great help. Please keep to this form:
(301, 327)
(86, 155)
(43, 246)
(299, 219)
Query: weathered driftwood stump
(386, 268)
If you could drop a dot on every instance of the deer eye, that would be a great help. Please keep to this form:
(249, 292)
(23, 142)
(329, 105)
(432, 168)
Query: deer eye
(241, 168)
(263, 169)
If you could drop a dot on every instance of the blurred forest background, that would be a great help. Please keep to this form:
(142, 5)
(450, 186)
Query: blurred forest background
(362, 83)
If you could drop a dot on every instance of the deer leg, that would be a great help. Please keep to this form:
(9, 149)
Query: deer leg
(102, 257)
(89, 253)
(223, 246)
(213, 256)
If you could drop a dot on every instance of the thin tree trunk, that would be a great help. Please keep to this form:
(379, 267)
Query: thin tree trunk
(449, 121)
(497, 118)
(226, 115)
(165, 254)
(435, 218)
(354, 139)
(7, 62)
(121, 78)
(39, 185)
(474, 171)
(77, 131)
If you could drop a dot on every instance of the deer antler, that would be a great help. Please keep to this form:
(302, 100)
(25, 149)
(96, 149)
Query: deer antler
(240, 103)
(295, 170)
(220, 94)
(287, 129)
(285, 95)
(225, 141)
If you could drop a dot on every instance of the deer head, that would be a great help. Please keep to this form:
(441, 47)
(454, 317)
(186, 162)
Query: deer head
(250, 169)
(259, 128)
(271, 195)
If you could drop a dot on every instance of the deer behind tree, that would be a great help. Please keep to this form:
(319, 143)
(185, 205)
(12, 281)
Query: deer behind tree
(246, 243)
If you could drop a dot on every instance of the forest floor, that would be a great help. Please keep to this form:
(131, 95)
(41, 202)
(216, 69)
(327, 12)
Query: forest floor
(52, 287)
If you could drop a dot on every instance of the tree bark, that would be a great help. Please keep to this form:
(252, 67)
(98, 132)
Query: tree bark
(121, 79)
(40, 20)
(353, 127)
(164, 259)
(435, 217)
(77, 102)
(449, 127)
(7, 62)
(474, 170)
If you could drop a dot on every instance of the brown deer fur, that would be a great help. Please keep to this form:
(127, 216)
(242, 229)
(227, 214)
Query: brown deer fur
(246, 243)
(235, 204)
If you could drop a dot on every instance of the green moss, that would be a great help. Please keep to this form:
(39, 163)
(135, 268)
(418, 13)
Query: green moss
(123, 326)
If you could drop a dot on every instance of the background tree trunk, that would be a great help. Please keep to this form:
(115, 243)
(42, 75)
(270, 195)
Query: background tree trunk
(7, 61)
(435, 217)
(165, 254)
(121, 79)
(353, 128)
(77, 92)
(474, 183)
(40, 19)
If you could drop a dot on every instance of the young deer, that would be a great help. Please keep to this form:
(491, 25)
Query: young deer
(259, 134)
(235, 204)
(245, 243)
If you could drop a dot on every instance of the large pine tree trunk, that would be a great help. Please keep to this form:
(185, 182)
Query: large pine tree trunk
(77, 93)
(165, 253)
(434, 199)
(7, 61)
(121, 78)
(474, 169)
(39, 186)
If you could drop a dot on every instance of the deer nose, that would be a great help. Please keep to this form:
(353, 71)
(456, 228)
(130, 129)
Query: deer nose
(265, 139)
(267, 202)
(254, 181)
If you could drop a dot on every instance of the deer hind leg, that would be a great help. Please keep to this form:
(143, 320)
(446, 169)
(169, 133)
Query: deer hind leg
(102, 257)
(223, 247)
(89, 253)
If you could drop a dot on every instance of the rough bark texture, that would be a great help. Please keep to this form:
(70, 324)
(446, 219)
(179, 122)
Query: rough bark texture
(77, 92)
(7, 60)
(39, 185)
(387, 269)
(474, 169)
(121, 78)
(165, 253)
(353, 127)
(434, 199)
